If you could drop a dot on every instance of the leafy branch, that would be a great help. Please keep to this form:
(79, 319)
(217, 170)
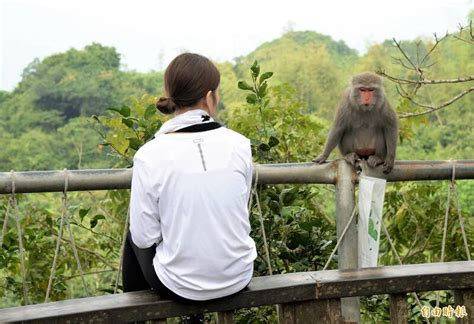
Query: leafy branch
(258, 97)
(258, 90)
(126, 129)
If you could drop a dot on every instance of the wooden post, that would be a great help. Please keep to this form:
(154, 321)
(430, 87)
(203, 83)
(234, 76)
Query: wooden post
(313, 311)
(225, 317)
(398, 309)
(465, 297)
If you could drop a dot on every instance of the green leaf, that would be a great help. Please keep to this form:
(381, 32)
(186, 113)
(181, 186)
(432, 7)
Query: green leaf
(308, 226)
(273, 141)
(127, 122)
(288, 212)
(134, 143)
(124, 111)
(255, 68)
(158, 124)
(287, 195)
(99, 216)
(262, 91)
(118, 110)
(142, 123)
(274, 206)
(265, 102)
(244, 85)
(149, 132)
(93, 223)
(252, 98)
(265, 76)
(83, 213)
(264, 147)
(150, 111)
(96, 219)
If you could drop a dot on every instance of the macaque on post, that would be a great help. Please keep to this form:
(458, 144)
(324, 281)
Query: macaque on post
(365, 126)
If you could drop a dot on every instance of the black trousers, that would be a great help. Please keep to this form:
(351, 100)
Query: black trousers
(138, 272)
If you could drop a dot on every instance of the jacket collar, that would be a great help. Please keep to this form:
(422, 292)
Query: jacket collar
(189, 118)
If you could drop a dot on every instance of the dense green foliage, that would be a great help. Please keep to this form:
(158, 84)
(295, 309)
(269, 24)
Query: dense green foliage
(47, 124)
(46, 119)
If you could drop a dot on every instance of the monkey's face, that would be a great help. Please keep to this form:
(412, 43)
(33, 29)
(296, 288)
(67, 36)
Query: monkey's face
(366, 91)
(366, 97)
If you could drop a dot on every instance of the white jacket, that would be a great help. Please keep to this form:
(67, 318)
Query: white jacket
(189, 196)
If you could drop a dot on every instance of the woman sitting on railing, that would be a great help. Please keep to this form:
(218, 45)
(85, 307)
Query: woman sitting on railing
(189, 225)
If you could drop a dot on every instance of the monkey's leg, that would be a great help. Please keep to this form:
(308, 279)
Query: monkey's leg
(351, 158)
(374, 160)
(388, 166)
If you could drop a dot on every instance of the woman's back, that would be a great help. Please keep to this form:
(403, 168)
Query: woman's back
(193, 188)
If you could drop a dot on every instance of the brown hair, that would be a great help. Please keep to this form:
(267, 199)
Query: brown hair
(188, 78)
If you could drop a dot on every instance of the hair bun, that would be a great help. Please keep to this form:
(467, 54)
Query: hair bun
(166, 105)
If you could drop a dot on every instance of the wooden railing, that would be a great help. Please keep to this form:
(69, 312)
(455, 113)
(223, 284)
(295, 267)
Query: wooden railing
(307, 297)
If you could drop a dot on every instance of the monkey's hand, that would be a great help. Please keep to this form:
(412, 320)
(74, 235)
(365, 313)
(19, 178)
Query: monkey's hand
(373, 161)
(387, 166)
(351, 158)
(320, 159)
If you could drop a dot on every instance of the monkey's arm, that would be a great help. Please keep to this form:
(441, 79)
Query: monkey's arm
(391, 136)
(335, 136)
(333, 139)
(339, 126)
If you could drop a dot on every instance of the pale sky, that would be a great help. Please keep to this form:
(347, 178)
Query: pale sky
(150, 33)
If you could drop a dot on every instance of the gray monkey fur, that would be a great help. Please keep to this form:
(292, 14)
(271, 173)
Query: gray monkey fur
(362, 131)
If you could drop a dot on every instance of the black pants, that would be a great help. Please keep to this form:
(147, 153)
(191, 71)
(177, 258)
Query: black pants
(138, 272)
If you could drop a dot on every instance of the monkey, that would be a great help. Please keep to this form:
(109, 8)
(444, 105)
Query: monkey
(365, 126)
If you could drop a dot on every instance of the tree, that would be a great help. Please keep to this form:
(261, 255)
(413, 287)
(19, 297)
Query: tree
(34, 150)
(74, 83)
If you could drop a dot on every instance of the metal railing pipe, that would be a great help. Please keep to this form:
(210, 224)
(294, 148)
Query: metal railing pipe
(106, 179)
(53, 181)
(424, 170)
(302, 173)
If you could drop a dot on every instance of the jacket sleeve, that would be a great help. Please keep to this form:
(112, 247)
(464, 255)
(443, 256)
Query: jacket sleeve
(145, 225)
(249, 170)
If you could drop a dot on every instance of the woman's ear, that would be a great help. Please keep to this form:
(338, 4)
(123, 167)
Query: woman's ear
(209, 98)
(211, 103)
